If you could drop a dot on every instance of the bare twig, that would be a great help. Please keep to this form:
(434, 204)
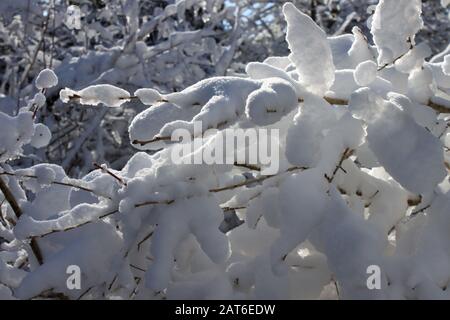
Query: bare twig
(414, 213)
(85, 292)
(144, 142)
(399, 57)
(224, 209)
(143, 240)
(345, 155)
(148, 203)
(247, 166)
(35, 54)
(112, 174)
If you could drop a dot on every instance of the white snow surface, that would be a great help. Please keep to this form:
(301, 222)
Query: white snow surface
(366, 73)
(106, 94)
(310, 51)
(46, 79)
(446, 65)
(394, 26)
(408, 152)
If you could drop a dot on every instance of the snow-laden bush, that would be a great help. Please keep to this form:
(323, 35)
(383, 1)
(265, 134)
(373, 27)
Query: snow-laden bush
(362, 182)
(163, 44)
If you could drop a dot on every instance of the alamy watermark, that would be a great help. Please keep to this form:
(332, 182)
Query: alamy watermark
(73, 281)
(374, 280)
(252, 146)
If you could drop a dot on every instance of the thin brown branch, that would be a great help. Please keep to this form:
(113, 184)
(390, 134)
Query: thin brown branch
(112, 174)
(414, 201)
(225, 209)
(248, 166)
(85, 292)
(77, 226)
(104, 216)
(76, 98)
(336, 101)
(156, 139)
(18, 212)
(10, 198)
(438, 107)
(251, 181)
(414, 213)
(399, 57)
(137, 268)
(345, 155)
(35, 54)
(133, 293)
(143, 240)
(55, 182)
(148, 203)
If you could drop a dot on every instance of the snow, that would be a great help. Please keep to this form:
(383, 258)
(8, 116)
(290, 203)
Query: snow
(28, 227)
(394, 26)
(267, 205)
(106, 94)
(310, 51)
(41, 136)
(182, 218)
(39, 99)
(418, 165)
(99, 240)
(73, 16)
(44, 175)
(20, 131)
(272, 101)
(277, 62)
(419, 83)
(306, 132)
(148, 96)
(259, 71)
(366, 73)
(446, 65)
(360, 50)
(46, 79)
(350, 49)
(149, 122)
(414, 58)
(303, 199)
(440, 79)
(348, 256)
(217, 101)
(362, 151)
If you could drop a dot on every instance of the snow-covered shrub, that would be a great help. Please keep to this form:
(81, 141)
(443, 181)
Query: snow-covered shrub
(363, 182)
(163, 44)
